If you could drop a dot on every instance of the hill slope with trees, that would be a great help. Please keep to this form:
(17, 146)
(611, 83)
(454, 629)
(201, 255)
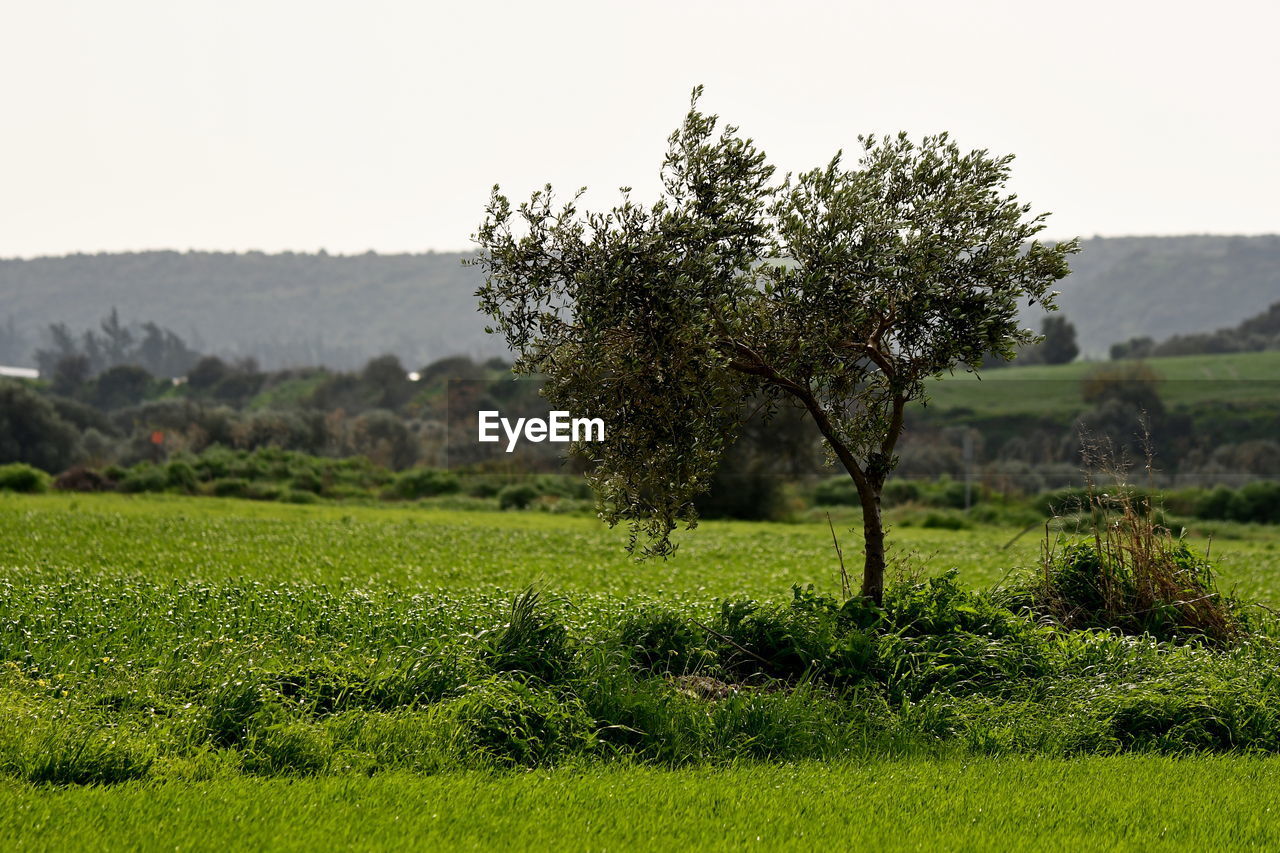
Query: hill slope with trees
(296, 309)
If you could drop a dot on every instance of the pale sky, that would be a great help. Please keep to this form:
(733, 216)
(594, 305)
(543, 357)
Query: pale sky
(269, 125)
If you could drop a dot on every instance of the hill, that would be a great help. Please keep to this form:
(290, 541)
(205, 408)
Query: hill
(1127, 287)
(285, 309)
(291, 309)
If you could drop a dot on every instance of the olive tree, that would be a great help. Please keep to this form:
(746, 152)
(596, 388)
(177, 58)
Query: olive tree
(841, 290)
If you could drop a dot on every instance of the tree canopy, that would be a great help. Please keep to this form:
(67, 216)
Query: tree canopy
(841, 290)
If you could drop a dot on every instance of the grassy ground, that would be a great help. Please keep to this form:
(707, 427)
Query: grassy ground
(169, 537)
(1136, 803)
(140, 636)
(1046, 390)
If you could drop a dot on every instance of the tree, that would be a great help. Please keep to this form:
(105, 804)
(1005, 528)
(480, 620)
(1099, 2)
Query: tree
(844, 289)
(1059, 345)
(32, 432)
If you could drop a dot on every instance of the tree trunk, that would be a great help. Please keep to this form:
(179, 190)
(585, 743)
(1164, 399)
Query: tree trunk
(873, 537)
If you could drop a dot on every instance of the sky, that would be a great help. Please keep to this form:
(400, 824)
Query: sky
(348, 127)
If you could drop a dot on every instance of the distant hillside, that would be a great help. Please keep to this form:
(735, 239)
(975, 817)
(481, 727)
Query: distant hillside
(340, 310)
(1128, 287)
(285, 309)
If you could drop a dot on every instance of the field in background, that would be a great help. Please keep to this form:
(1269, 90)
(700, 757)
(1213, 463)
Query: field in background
(170, 537)
(1055, 390)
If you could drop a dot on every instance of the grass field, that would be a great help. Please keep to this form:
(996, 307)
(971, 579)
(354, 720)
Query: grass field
(1049, 390)
(220, 674)
(1131, 803)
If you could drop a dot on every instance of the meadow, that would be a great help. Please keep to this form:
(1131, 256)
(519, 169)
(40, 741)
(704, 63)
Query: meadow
(221, 673)
(1190, 380)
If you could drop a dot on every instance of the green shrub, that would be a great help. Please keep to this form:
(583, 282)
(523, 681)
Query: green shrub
(814, 634)
(425, 483)
(289, 747)
(517, 496)
(306, 481)
(145, 477)
(945, 521)
(181, 475)
(86, 756)
(837, 491)
(231, 487)
(20, 477)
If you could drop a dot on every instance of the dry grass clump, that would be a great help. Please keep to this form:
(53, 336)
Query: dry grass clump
(1131, 572)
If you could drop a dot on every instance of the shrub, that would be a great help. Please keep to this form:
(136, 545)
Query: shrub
(1132, 575)
(81, 479)
(20, 477)
(945, 521)
(78, 756)
(182, 476)
(425, 483)
(231, 487)
(813, 634)
(145, 477)
(517, 496)
(288, 747)
(837, 491)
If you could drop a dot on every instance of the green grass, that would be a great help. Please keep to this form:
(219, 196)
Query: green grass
(1055, 390)
(1132, 803)
(219, 674)
(170, 537)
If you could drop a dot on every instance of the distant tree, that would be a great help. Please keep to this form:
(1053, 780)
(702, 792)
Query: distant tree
(384, 438)
(1134, 348)
(163, 353)
(70, 375)
(14, 347)
(387, 382)
(117, 347)
(1058, 341)
(62, 345)
(32, 432)
(157, 350)
(1134, 385)
(207, 373)
(120, 386)
(844, 290)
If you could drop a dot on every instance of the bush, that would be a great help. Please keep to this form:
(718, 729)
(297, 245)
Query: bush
(31, 430)
(182, 476)
(81, 479)
(837, 491)
(517, 496)
(20, 477)
(145, 477)
(425, 483)
(814, 634)
(945, 521)
(231, 487)
(1133, 575)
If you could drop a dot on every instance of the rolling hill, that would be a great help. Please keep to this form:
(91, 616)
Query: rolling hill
(340, 310)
